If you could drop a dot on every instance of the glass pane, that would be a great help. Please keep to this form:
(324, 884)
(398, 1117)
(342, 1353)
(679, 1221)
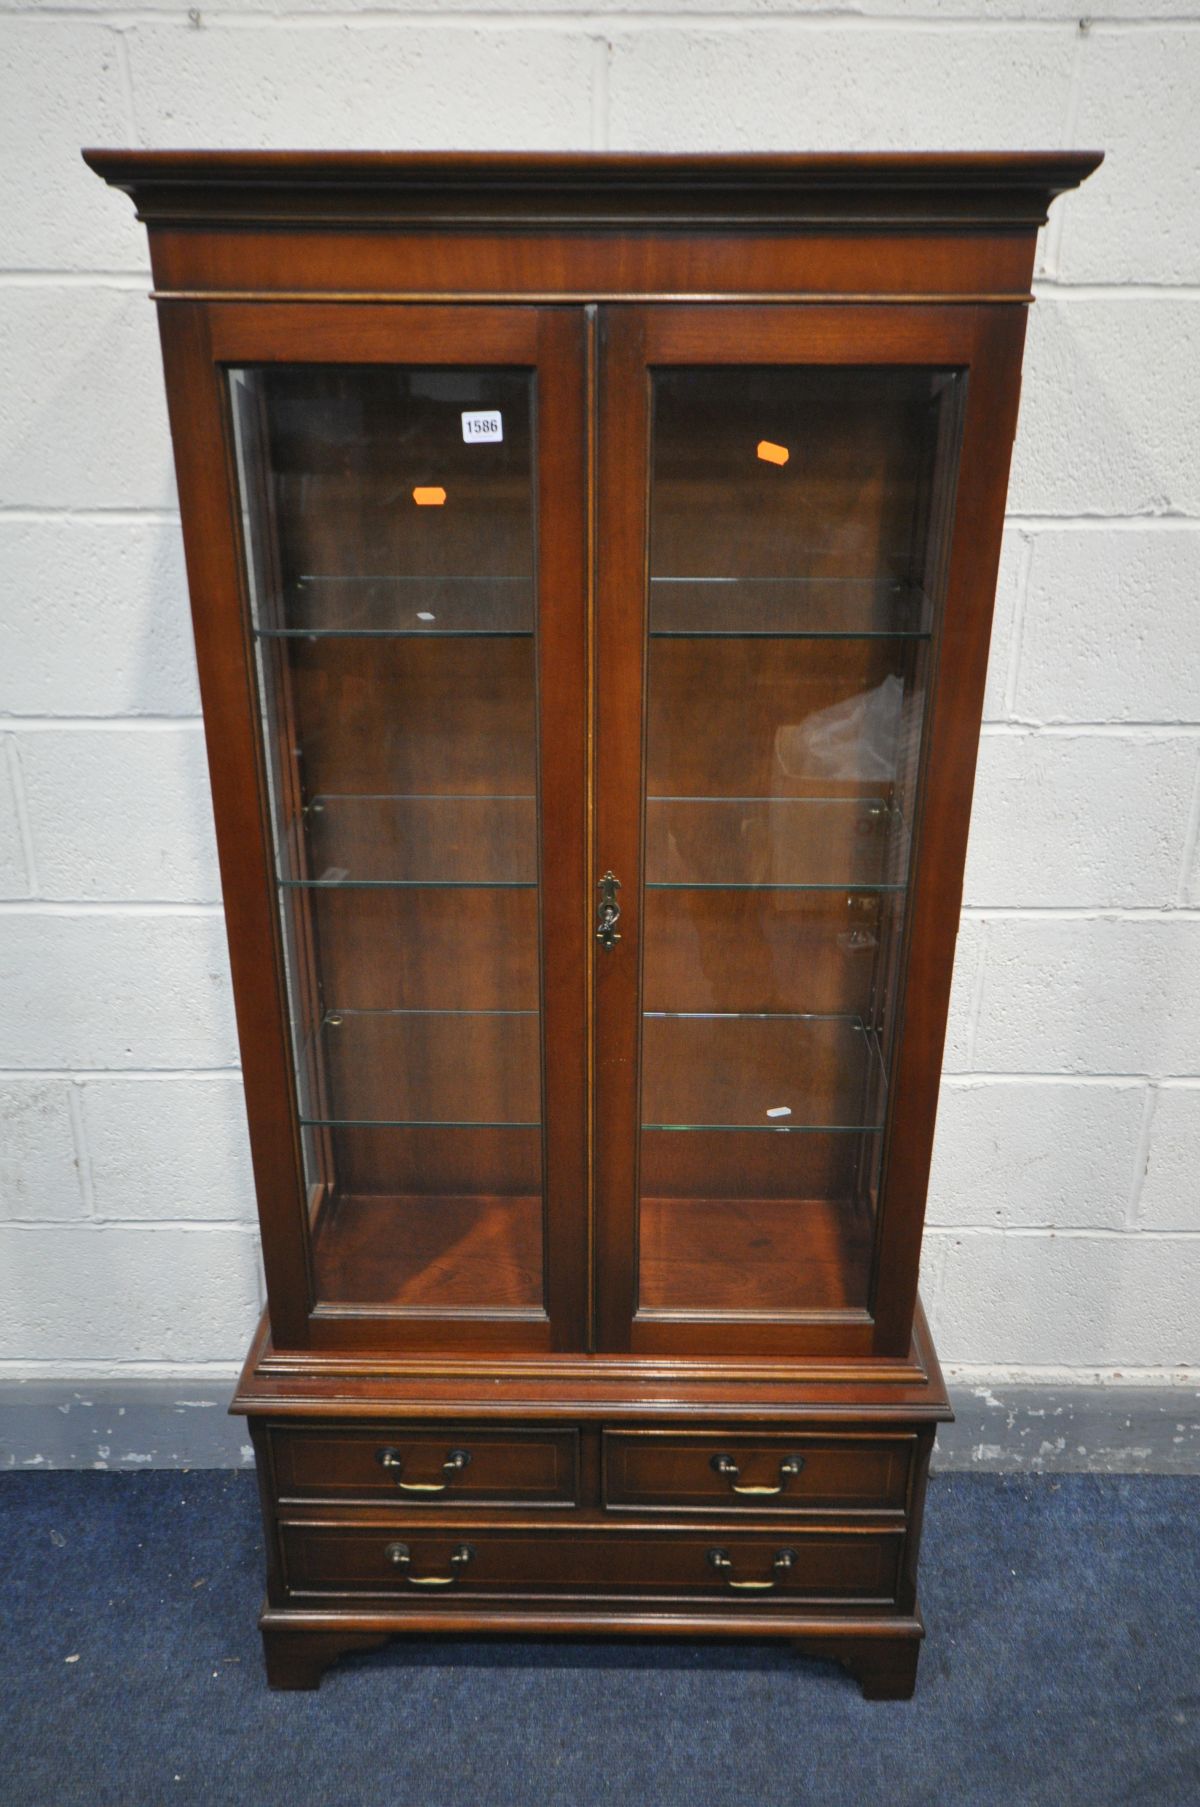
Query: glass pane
(392, 592)
(797, 527)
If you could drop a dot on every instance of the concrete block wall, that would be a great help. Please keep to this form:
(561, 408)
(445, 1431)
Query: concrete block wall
(1064, 1239)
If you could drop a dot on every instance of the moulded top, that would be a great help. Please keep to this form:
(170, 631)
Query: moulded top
(863, 189)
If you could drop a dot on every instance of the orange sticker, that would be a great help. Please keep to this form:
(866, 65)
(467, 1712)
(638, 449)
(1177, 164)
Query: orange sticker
(429, 498)
(770, 453)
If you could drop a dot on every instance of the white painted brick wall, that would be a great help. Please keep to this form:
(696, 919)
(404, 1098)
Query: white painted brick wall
(76, 1295)
(41, 1178)
(827, 85)
(1036, 1152)
(114, 987)
(1110, 412)
(168, 1146)
(94, 618)
(1111, 623)
(1168, 1200)
(120, 813)
(425, 86)
(1039, 841)
(1064, 1233)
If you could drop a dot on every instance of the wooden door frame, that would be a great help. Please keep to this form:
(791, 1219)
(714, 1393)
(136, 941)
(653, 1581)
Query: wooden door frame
(984, 341)
(200, 340)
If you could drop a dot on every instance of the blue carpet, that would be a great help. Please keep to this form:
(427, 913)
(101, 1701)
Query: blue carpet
(1063, 1665)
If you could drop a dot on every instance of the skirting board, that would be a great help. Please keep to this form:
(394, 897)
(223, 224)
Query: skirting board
(1035, 1429)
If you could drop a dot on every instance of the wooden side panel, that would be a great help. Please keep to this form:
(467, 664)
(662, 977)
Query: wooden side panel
(215, 584)
(952, 740)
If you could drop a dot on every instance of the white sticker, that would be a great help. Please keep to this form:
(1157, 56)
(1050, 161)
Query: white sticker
(780, 1110)
(482, 426)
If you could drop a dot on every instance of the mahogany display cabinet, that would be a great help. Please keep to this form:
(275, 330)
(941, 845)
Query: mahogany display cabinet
(592, 563)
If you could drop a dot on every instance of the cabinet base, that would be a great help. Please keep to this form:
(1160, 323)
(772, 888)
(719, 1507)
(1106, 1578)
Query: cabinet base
(880, 1655)
(593, 1500)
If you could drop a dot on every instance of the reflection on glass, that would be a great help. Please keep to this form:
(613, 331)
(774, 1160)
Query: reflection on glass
(391, 564)
(797, 529)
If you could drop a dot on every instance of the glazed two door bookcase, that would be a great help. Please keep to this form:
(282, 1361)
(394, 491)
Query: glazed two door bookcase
(592, 563)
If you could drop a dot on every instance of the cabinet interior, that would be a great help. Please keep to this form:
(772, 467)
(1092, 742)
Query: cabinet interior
(796, 526)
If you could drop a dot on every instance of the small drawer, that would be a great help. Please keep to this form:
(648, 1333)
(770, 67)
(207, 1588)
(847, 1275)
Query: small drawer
(440, 1565)
(427, 1467)
(661, 1471)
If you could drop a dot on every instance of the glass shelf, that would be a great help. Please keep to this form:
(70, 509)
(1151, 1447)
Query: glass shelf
(477, 1068)
(782, 1073)
(787, 608)
(775, 843)
(386, 605)
(365, 841)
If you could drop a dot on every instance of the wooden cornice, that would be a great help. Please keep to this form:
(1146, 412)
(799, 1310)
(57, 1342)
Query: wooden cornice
(877, 192)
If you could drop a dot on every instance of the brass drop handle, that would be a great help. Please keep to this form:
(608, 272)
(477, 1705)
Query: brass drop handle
(784, 1559)
(610, 911)
(727, 1466)
(400, 1555)
(779, 1567)
(393, 1461)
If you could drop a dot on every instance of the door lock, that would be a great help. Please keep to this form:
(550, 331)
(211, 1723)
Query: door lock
(609, 913)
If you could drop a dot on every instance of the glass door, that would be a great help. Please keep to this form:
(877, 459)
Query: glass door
(415, 627)
(774, 597)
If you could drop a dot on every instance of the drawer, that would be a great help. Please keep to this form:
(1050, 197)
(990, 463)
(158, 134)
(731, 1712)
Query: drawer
(439, 1565)
(427, 1467)
(666, 1472)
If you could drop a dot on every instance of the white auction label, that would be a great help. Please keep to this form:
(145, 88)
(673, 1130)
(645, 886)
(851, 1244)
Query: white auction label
(482, 426)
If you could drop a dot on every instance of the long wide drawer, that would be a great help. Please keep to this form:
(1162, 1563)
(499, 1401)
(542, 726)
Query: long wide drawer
(668, 1472)
(444, 1565)
(427, 1466)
